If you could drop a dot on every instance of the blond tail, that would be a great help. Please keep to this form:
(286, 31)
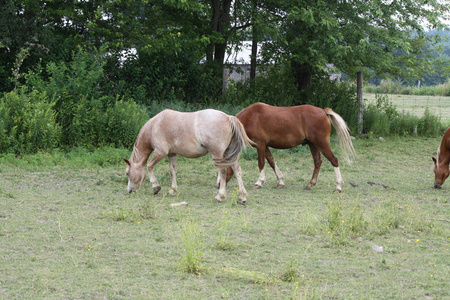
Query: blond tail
(343, 133)
(239, 140)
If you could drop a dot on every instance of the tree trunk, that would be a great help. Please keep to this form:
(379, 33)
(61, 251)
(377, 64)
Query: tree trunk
(302, 74)
(254, 43)
(220, 23)
(359, 96)
(253, 55)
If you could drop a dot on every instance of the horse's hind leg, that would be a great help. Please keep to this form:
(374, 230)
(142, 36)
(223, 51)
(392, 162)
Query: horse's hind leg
(242, 191)
(173, 174)
(222, 185)
(317, 163)
(326, 151)
(274, 166)
(261, 161)
(156, 157)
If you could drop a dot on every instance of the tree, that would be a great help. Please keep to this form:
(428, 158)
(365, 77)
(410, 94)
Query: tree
(354, 36)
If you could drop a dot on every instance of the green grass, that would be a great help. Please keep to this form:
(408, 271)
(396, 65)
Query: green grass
(69, 230)
(416, 105)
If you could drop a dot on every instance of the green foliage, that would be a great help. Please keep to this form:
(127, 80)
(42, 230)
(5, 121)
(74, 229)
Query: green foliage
(27, 123)
(94, 124)
(82, 115)
(275, 87)
(124, 119)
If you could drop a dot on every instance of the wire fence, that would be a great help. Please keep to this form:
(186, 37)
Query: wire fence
(417, 105)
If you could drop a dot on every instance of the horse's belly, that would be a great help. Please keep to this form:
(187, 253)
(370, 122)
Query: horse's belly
(189, 152)
(286, 143)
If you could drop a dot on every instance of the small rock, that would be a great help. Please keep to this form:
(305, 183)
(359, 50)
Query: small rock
(178, 204)
(378, 248)
(381, 139)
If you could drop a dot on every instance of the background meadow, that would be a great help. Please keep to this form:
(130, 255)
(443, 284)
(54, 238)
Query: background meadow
(68, 228)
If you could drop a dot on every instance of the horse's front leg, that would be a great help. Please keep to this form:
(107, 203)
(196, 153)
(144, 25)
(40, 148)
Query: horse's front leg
(274, 166)
(242, 191)
(157, 157)
(173, 174)
(222, 185)
(261, 162)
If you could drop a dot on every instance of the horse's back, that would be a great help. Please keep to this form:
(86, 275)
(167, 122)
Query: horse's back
(212, 128)
(284, 127)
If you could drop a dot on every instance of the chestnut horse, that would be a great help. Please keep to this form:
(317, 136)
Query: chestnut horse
(171, 133)
(287, 127)
(441, 169)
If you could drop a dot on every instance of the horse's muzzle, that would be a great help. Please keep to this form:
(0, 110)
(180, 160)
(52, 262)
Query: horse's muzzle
(437, 186)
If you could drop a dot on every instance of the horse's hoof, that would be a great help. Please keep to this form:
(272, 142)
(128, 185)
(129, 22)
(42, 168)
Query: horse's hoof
(172, 192)
(156, 190)
(337, 191)
(256, 186)
(219, 199)
(242, 202)
(280, 186)
(307, 188)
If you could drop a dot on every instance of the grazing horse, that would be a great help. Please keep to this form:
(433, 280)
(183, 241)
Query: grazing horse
(441, 169)
(287, 127)
(171, 133)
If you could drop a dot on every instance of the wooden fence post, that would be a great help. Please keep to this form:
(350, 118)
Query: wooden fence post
(359, 95)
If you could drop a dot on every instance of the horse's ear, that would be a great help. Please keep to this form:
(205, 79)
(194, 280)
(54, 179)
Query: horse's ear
(434, 159)
(127, 161)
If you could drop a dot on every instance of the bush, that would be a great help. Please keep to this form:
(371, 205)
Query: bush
(27, 123)
(105, 121)
(123, 121)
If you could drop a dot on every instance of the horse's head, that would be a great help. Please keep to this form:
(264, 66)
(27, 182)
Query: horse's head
(136, 175)
(440, 174)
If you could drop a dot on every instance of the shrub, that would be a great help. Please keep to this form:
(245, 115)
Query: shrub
(27, 123)
(88, 124)
(124, 119)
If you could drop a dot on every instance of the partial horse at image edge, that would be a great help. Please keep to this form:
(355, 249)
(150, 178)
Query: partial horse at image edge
(287, 127)
(441, 162)
(171, 133)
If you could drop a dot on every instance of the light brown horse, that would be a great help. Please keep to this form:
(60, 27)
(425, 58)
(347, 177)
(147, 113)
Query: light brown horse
(171, 133)
(287, 127)
(441, 162)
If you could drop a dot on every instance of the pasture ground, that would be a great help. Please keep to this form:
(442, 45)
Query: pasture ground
(416, 105)
(69, 230)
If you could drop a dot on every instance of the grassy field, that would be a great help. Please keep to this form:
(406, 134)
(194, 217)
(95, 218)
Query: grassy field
(69, 230)
(416, 105)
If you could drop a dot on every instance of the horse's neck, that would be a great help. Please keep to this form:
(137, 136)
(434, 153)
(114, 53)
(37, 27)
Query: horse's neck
(140, 153)
(444, 156)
